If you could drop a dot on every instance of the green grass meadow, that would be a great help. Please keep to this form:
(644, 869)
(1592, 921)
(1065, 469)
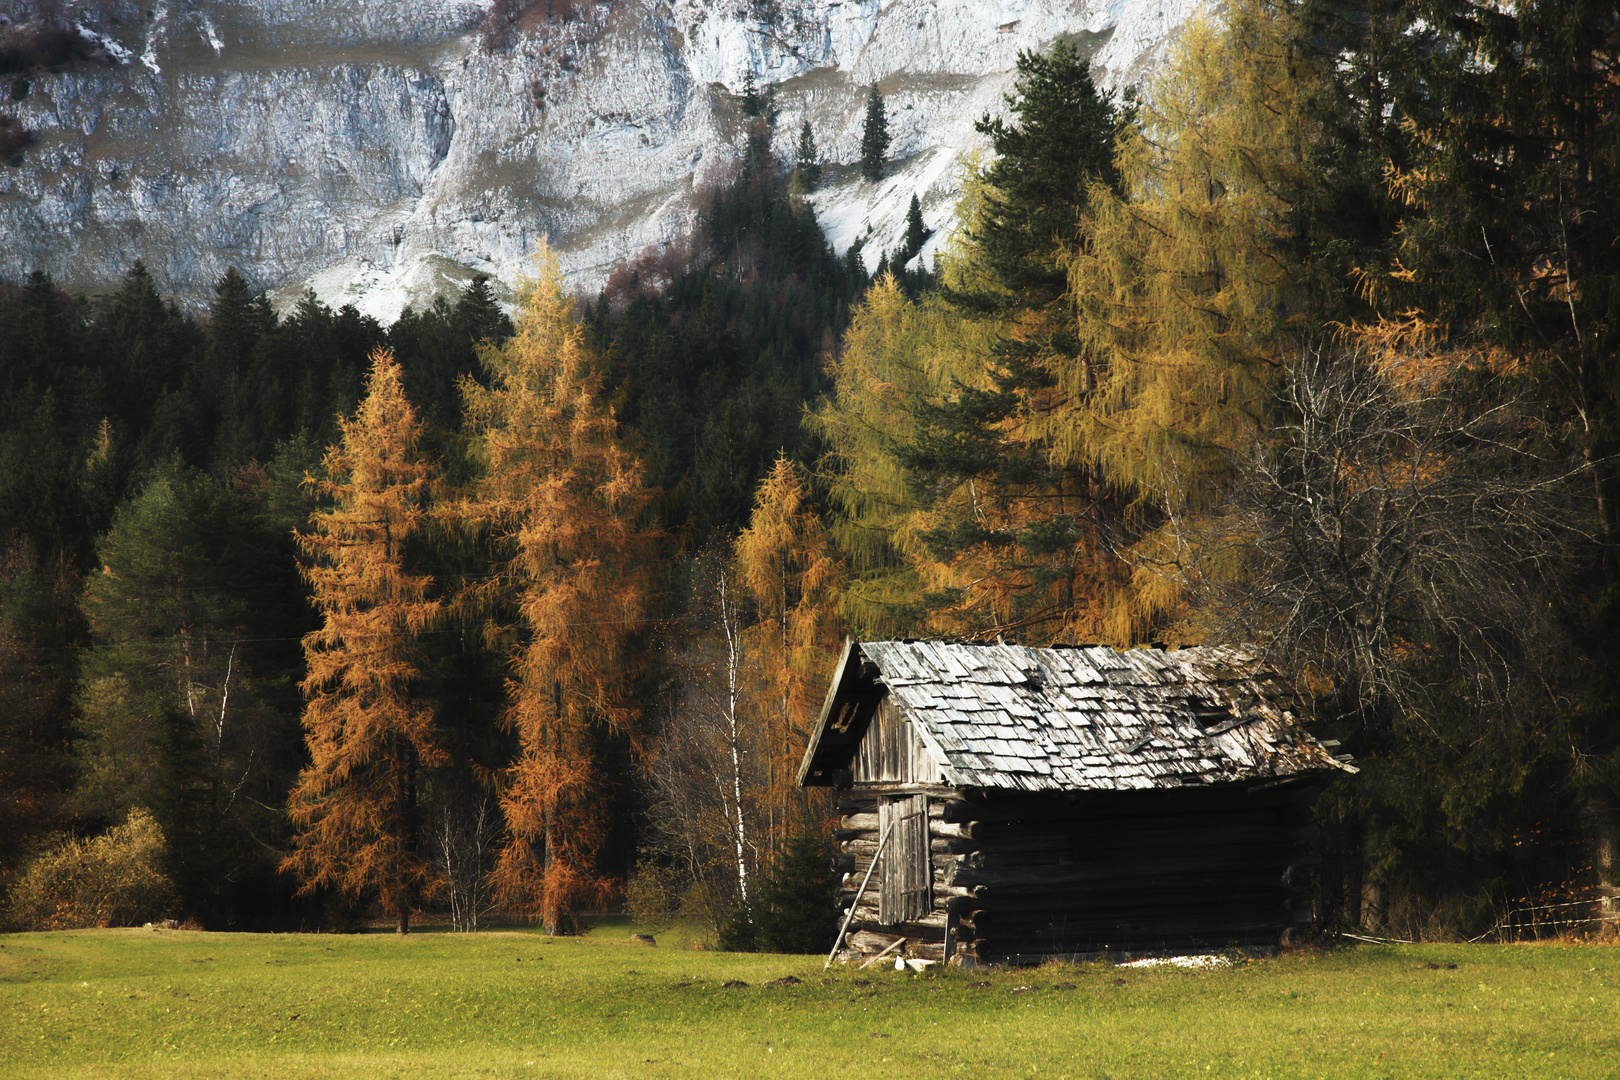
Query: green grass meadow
(145, 1003)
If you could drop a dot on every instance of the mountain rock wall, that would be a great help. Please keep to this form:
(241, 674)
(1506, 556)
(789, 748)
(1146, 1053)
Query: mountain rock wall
(382, 151)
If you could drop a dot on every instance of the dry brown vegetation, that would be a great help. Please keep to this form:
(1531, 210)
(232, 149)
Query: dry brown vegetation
(42, 37)
(14, 138)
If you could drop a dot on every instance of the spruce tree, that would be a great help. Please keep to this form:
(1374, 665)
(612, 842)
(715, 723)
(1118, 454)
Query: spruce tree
(809, 159)
(233, 399)
(370, 733)
(182, 704)
(752, 103)
(1059, 142)
(874, 137)
(480, 315)
(996, 506)
(144, 345)
(916, 232)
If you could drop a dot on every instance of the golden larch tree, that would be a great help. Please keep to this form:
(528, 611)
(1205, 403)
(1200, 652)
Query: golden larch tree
(367, 730)
(930, 553)
(1189, 299)
(789, 569)
(563, 497)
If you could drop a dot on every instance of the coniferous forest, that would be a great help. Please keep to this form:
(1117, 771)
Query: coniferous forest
(1311, 344)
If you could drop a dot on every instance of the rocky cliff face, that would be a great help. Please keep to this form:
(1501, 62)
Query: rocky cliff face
(382, 150)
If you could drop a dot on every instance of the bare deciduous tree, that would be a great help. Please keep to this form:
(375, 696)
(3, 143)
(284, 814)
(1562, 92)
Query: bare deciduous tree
(709, 777)
(1399, 541)
(465, 837)
(1394, 535)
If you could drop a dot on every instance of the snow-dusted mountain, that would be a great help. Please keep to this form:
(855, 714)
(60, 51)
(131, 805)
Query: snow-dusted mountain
(380, 150)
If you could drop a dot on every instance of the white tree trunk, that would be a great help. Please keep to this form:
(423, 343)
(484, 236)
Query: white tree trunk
(733, 665)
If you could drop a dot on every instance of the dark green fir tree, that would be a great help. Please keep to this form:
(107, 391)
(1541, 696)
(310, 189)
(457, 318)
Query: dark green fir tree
(809, 160)
(1057, 141)
(916, 232)
(874, 137)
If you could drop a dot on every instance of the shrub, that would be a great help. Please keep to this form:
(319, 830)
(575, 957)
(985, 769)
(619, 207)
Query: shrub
(652, 895)
(114, 879)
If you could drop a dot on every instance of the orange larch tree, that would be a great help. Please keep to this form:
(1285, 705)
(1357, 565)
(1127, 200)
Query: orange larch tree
(564, 498)
(367, 729)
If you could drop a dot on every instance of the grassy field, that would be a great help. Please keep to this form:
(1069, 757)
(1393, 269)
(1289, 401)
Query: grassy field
(143, 1003)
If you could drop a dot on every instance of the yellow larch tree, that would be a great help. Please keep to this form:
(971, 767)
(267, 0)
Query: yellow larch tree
(367, 729)
(958, 555)
(1188, 299)
(790, 571)
(564, 498)
(896, 355)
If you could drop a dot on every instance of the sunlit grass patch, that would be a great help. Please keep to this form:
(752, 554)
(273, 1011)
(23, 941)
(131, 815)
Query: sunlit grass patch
(513, 1003)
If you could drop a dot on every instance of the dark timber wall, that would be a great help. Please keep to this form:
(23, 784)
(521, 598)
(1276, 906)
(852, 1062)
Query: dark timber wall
(1021, 878)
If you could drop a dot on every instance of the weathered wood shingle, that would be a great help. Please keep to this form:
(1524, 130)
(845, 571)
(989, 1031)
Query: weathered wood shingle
(1093, 718)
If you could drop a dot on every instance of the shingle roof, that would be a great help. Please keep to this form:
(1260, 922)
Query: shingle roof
(1095, 718)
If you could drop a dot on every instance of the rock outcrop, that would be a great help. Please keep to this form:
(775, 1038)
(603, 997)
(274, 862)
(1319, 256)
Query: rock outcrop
(380, 151)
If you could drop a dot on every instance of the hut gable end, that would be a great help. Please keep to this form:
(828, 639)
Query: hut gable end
(893, 750)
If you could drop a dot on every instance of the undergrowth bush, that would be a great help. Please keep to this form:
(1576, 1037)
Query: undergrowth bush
(115, 879)
(652, 895)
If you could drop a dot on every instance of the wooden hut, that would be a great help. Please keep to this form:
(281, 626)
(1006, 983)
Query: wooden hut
(1034, 803)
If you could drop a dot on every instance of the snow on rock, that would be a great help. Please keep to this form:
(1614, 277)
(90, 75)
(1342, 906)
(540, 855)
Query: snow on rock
(111, 46)
(373, 150)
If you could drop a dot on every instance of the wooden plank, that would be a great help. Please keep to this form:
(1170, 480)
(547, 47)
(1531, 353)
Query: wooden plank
(871, 940)
(1111, 907)
(1118, 875)
(875, 789)
(1253, 850)
(951, 831)
(906, 873)
(1164, 873)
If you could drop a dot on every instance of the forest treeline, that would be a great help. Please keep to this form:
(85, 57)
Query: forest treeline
(1312, 345)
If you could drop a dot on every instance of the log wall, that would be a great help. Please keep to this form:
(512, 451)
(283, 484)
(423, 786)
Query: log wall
(1021, 879)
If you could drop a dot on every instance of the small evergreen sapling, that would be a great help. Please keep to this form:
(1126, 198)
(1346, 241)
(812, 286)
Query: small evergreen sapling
(752, 103)
(917, 233)
(795, 909)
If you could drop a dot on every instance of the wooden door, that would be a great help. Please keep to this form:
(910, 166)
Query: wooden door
(906, 891)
